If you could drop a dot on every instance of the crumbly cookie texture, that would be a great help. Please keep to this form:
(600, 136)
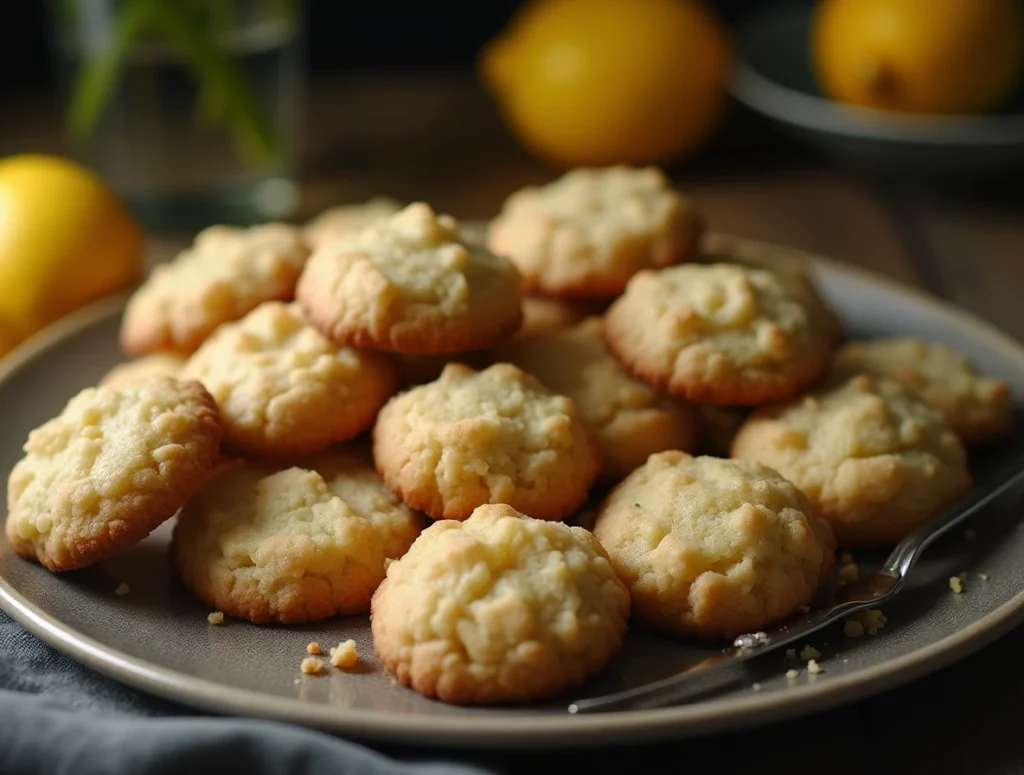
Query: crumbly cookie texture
(721, 333)
(285, 388)
(227, 272)
(413, 285)
(278, 546)
(161, 364)
(500, 608)
(588, 232)
(115, 463)
(541, 315)
(713, 548)
(345, 220)
(875, 460)
(493, 436)
(626, 418)
(978, 408)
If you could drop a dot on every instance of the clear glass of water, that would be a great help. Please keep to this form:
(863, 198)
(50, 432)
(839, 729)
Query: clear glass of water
(190, 109)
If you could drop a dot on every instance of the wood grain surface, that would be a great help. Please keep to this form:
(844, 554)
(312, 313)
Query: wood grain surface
(438, 138)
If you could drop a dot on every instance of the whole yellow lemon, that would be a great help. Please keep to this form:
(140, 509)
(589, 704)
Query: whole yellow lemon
(601, 82)
(919, 56)
(65, 240)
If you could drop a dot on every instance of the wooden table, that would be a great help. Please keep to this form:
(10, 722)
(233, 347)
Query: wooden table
(438, 138)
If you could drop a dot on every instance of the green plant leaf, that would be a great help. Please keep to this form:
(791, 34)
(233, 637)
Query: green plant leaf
(99, 73)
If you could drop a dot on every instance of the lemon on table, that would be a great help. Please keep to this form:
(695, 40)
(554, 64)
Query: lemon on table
(609, 81)
(919, 56)
(65, 240)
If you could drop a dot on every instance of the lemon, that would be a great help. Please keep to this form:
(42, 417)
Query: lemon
(919, 56)
(608, 81)
(64, 240)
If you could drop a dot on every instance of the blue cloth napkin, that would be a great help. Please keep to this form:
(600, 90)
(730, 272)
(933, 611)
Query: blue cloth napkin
(59, 718)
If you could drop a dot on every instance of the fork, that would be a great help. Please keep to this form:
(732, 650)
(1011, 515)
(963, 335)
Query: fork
(871, 591)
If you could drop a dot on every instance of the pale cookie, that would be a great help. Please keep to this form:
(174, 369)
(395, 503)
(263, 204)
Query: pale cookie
(588, 232)
(412, 285)
(115, 463)
(541, 315)
(345, 220)
(720, 333)
(713, 548)
(874, 459)
(227, 272)
(161, 364)
(491, 436)
(978, 408)
(500, 608)
(626, 418)
(283, 546)
(283, 387)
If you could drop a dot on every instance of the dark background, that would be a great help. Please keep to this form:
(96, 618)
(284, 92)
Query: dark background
(372, 34)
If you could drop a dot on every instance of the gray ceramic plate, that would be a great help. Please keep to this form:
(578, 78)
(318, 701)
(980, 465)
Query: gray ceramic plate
(773, 77)
(157, 638)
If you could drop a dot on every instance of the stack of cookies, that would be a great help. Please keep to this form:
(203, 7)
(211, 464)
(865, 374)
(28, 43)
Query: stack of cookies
(387, 410)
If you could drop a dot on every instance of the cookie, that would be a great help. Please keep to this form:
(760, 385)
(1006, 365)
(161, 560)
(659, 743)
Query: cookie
(626, 418)
(289, 545)
(344, 220)
(541, 315)
(227, 272)
(585, 234)
(285, 388)
(713, 548)
(875, 460)
(720, 333)
(501, 608)
(492, 436)
(159, 364)
(978, 408)
(411, 285)
(115, 464)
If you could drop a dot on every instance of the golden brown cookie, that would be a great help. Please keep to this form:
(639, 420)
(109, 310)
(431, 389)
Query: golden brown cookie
(411, 285)
(160, 364)
(227, 272)
(713, 548)
(588, 232)
(626, 418)
(875, 460)
(500, 608)
(345, 220)
(720, 333)
(290, 545)
(491, 436)
(978, 408)
(285, 388)
(115, 463)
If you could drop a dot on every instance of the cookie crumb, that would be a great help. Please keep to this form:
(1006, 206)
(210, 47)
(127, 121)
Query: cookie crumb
(296, 681)
(853, 629)
(849, 572)
(813, 667)
(956, 584)
(215, 617)
(313, 648)
(846, 661)
(984, 576)
(809, 653)
(122, 589)
(344, 656)
(312, 666)
(970, 534)
(845, 558)
(792, 675)
(755, 687)
(790, 653)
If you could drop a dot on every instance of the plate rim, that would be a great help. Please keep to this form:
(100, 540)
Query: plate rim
(538, 731)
